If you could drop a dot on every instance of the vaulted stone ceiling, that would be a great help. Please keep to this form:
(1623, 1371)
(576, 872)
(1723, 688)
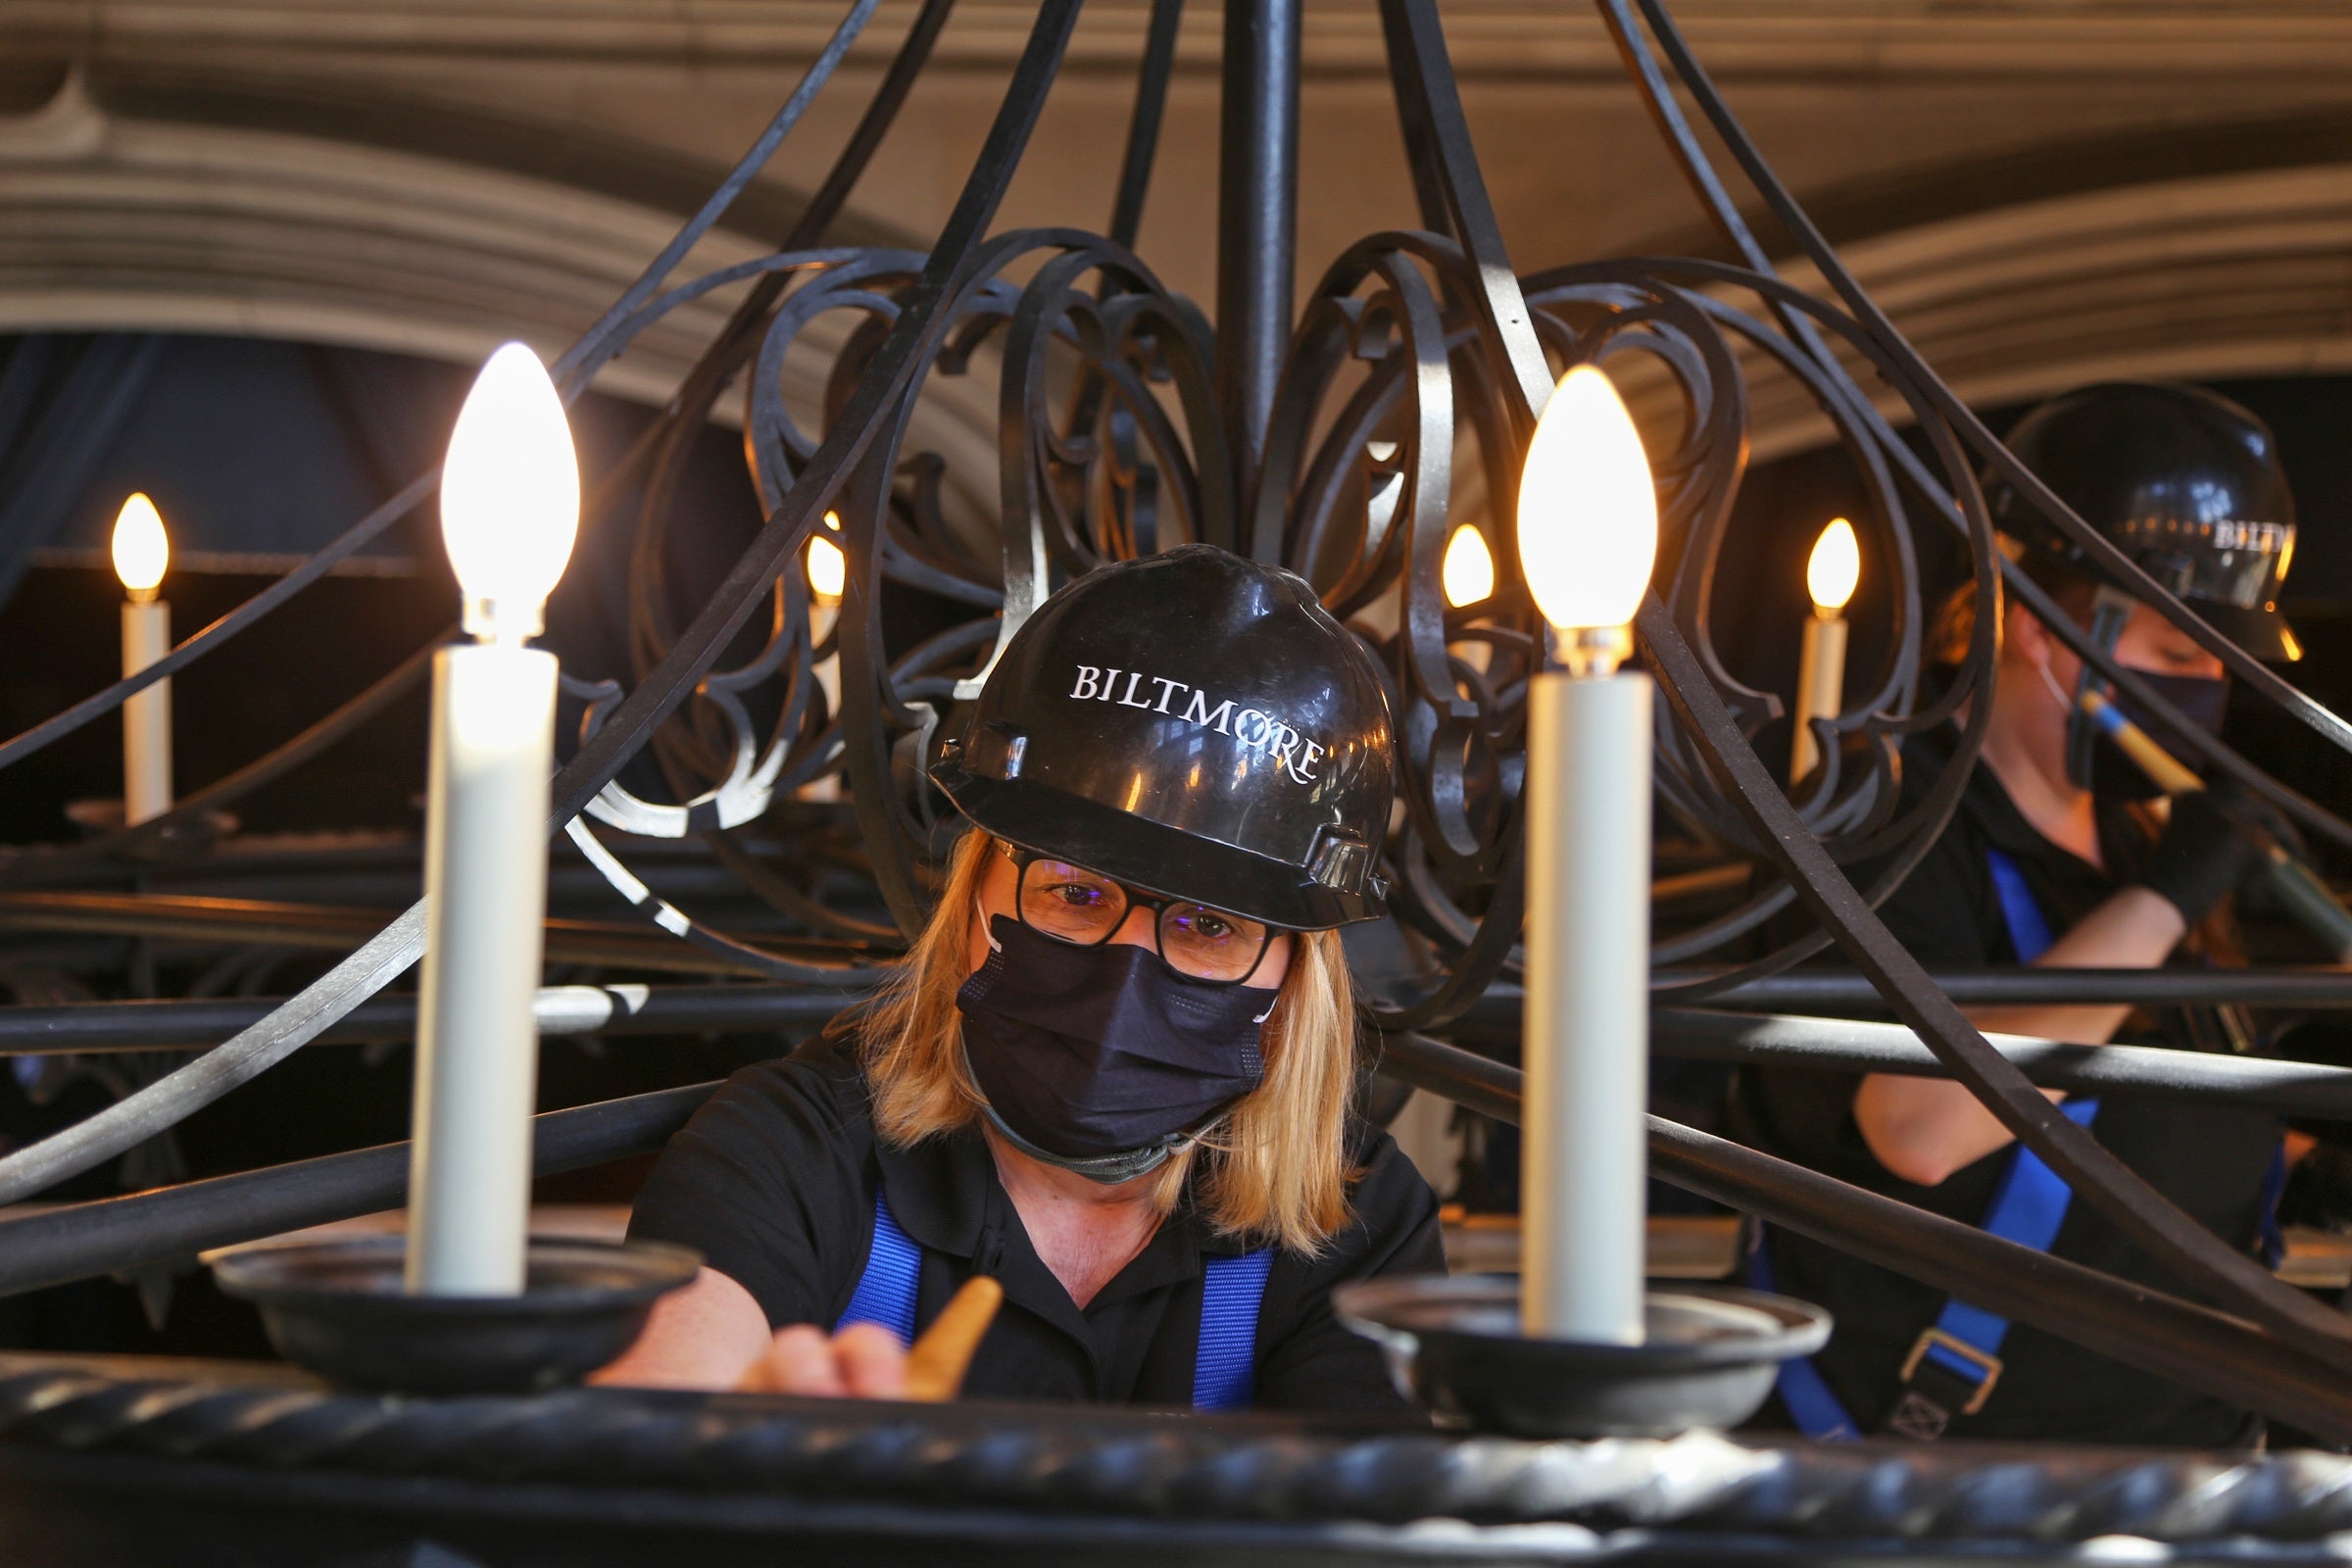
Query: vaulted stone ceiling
(2043, 190)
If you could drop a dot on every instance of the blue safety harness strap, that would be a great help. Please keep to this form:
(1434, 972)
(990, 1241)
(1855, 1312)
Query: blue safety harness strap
(1232, 1288)
(2029, 928)
(1225, 1365)
(1954, 1363)
(894, 1269)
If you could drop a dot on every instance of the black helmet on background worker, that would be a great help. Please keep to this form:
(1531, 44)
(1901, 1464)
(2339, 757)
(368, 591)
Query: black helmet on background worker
(2183, 481)
(1196, 726)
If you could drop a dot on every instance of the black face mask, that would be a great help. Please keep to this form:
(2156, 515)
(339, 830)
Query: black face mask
(2113, 775)
(1104, 1060)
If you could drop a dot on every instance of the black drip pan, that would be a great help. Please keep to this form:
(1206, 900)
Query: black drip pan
(1455, 1344)
(339, 1308)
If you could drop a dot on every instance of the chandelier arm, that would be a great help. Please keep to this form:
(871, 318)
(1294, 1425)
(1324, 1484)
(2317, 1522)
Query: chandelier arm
(1717, 417)
(1422, 72)
(866, 707)
(1024, 473)
(881, 114)
(1144, 126)
(237, 1060)
(1427, 488)
(1351, 497)
(2151, 1219)
(650, 625)
(1421, 161)
(1829, 803)
(2119, 567)
(1889, 520)
(1907, 855)
(576, 365)
(781, 896)
(658, 911)
(1489, 949)
(1674, 128)
(1926, 824)
(1319, 347)
(921, 325)
(738, 341)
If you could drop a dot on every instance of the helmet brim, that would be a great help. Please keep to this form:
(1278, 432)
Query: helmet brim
(2261, 632)
(1149, 854)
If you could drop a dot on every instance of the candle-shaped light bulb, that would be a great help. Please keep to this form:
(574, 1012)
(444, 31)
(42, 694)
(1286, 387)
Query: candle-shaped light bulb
(509, 507)
(1831, 573)
(510, 496)
(142, 550)
(1587, 507)
(1588, 539)
(828, 567)
(1468, 572)
(1834, 567)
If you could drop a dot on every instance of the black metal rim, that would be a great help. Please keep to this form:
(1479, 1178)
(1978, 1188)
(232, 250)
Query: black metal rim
(362, 1274)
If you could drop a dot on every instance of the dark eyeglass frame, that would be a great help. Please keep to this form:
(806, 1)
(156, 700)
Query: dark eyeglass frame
(1135, 898)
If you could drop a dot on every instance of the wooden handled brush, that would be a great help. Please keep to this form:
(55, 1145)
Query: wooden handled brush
(936, 1365)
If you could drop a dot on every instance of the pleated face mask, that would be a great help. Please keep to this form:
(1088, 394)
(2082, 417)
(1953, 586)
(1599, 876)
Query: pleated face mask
(1104, 1060)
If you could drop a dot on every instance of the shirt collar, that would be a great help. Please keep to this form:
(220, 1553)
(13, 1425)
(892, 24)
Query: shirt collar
(938, 1188)
(944, 1193)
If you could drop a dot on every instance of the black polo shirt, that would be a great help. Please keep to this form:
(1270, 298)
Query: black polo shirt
(2213, 1163)
(773, 1182)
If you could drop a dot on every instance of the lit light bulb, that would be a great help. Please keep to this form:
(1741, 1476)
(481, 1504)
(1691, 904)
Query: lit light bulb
(510, 496)
(1587, 507)
(1834, 567)
(828, 567)
(1469, 569)
(142, 550)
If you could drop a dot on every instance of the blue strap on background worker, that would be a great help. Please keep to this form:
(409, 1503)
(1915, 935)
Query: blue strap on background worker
(1224, 1376)
(1955, 1364)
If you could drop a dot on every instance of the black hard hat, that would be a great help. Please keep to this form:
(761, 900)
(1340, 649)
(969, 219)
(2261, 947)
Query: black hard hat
(2185, 482)
(1195, 724)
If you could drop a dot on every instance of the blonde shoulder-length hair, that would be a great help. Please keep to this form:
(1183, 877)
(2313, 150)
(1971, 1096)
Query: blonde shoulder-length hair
(1274, 1169)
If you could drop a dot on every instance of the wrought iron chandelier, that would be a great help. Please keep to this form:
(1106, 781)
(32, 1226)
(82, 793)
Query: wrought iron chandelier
(1343, 436)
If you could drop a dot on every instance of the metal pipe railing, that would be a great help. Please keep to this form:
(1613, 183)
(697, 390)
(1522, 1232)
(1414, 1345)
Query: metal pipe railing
(2255, 1083)
(99, 1027)
(77, 1241)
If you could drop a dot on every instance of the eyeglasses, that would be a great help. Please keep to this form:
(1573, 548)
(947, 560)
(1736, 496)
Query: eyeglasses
(1085, 908)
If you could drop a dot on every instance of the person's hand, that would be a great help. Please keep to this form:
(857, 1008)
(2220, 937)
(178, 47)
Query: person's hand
(2210, 844)
(863, 1362)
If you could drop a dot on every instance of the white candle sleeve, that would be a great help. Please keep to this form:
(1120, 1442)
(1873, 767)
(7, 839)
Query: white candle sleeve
(1585, 1163)
(1820, 688)
(477, 1042)
(147, 717)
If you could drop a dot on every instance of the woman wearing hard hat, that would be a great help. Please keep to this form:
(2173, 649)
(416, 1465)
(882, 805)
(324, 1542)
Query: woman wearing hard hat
(1114, 1072)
